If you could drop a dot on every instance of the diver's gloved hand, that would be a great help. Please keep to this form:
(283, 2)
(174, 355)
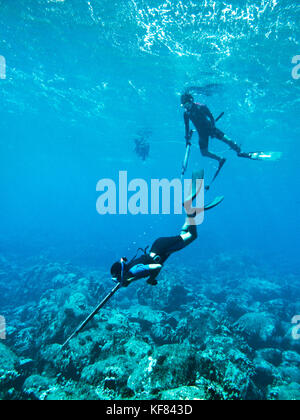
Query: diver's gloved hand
(188, 137)
(126, 282)
(188, 140)
(152, 281)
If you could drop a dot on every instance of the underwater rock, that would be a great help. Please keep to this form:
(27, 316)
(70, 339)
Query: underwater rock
(137, 349)
(53, 361)
(187, 393)
(108, 337)
(227, 367)
(81, 352)
(25, 341)
(237, 306)
(8, 360)
(76, 307)
(217, 293)
(145, 316)
(291, 358)
(288, 392)
(41, 278)
(273, 356)
(198, 325)
(265, 373)
(288, 341)
(10, 283)
(9, 376)
(59, 312)
(259, 329)
(181, 343)
(163, 334)
(36, 387)
(261, 289)
(170, 366)
(290, 373)
(158, 324)
(169, 295)
(111, 373)
(238, 383)
(290, 367)
(279, 308)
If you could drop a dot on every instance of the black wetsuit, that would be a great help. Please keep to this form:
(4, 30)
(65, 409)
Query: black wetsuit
(163, 248)
(204, 123)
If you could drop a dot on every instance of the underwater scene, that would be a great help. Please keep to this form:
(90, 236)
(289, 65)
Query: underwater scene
(149, 229)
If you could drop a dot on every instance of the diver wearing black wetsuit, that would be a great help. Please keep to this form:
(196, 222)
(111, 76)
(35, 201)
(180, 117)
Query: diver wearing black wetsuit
(150, 264)
(205, 125)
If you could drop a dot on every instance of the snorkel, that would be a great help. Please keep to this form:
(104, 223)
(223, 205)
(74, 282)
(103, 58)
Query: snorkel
(123, 261)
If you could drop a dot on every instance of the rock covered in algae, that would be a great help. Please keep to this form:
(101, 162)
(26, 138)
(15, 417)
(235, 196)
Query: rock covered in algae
(168, 367)
(215, 336)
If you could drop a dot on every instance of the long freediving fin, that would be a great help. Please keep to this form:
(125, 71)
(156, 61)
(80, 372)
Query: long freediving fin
(196, 185)
(197, 180)
(221, 164)
(214, 203)
(271, 156)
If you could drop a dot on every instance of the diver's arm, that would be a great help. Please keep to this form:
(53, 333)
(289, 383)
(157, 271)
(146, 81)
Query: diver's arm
(142, 271)
(154, 270)
(154, 273)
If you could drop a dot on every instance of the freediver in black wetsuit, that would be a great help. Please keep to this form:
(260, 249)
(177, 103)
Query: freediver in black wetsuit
(150, 264)
(205, 125)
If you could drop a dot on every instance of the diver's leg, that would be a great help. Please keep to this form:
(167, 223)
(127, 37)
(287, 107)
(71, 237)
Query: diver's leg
(204, 150)
(189, 233)
(168, 246)
(234, 146)
(245, 155)
(221, 136)
(203, 143)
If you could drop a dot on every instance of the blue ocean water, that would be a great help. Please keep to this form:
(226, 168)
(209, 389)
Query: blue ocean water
(83, 77)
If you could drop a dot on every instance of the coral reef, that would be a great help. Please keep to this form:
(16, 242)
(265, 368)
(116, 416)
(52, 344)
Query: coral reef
(222, 334)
